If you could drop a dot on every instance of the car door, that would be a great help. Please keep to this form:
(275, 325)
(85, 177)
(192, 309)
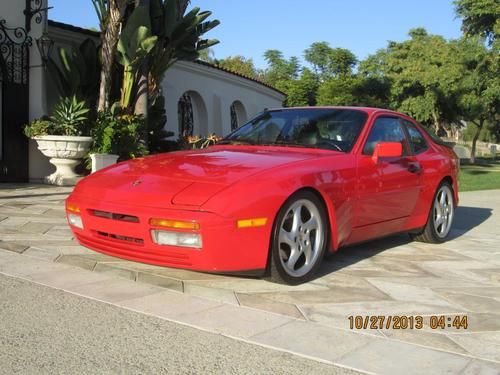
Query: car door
(387, 190)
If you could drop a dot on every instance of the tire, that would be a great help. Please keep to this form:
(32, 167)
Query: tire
(299, 239)
(440, 218)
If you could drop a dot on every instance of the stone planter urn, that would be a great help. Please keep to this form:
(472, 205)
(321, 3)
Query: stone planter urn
(65, 152)
(100, 161)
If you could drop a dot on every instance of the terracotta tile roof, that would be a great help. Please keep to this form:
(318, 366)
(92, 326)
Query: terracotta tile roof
(201, 62)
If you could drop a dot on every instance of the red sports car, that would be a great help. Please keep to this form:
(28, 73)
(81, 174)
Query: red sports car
(273, 196)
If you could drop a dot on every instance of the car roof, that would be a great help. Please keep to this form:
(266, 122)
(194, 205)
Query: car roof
(368, 110)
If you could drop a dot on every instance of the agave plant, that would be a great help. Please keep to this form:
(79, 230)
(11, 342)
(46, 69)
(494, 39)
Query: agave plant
(69, 116)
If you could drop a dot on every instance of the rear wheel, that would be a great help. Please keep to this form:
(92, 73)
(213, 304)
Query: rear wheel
(299, 239)
(440, 217)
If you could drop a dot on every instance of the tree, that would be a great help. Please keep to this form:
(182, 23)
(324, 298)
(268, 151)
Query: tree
(280, 70)
(338, 91)
(142, 91)
(153, 38)
(134, 47)
(479, 18)
(328, 62)
(301, 91)
(479, 100)
(110, 14)
(424, 77)
(318, 55)
(180, 37)
(240, 65)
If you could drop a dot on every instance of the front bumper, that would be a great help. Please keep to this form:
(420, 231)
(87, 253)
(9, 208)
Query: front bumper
(226, 248)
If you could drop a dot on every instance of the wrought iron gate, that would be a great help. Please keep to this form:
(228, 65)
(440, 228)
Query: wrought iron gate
(14, 108)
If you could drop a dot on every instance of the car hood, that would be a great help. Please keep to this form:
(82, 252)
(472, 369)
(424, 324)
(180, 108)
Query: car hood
(185, 178)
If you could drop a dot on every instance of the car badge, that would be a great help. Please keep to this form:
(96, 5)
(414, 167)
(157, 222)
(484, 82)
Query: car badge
(136, 182)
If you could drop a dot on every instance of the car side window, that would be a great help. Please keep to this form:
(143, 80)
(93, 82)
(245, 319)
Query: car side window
(417, 140)
(385, 129)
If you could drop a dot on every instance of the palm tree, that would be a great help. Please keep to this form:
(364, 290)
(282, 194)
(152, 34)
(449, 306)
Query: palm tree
(110, 14)
(141, 100)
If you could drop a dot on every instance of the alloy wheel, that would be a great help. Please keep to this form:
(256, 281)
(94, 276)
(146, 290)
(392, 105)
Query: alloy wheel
(443, 211)
(301, 238)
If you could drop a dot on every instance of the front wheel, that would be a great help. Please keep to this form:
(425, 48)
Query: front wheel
(440, 217)
(299, 239)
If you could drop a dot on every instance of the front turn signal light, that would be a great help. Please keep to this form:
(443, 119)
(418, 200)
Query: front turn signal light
(72, 207)
(175, 224)
(249, 223)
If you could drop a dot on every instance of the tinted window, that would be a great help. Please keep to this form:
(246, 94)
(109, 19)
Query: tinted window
(385, 129)
(417, 140)
(332, 129)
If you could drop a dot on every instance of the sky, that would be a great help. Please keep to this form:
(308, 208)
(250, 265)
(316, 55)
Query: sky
(249, 28)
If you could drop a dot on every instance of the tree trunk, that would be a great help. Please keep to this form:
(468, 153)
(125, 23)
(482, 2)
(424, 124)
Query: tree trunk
(437, 126)
(479, 126)
(141, 97)
(109, 39)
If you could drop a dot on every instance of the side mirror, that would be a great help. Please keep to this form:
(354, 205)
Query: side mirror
(387, 150)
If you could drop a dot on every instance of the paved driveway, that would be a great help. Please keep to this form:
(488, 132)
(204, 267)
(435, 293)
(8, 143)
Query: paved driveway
(386, 277)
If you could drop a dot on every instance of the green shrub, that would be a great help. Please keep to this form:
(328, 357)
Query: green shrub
(118, 134)
(37, 128)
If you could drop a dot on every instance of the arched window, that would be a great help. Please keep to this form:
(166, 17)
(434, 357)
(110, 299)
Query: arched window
(234, 118)
(185, 115)
(238, 115)
(192, 114)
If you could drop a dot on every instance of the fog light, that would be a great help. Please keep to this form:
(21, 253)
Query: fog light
(163, 237)
(75, 220)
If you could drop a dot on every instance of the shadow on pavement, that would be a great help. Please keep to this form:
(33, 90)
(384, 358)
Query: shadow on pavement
(466, 218)
(349, 255)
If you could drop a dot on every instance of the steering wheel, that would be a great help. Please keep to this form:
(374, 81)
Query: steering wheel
(329, 143)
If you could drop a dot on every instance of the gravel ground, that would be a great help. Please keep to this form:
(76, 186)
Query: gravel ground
(44, 330)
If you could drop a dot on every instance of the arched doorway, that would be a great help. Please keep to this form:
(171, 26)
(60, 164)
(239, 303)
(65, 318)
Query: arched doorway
(238, 115)
(192, 115)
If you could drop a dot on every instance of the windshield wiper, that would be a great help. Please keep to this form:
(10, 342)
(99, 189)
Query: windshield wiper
(236, 142)
(287, 144)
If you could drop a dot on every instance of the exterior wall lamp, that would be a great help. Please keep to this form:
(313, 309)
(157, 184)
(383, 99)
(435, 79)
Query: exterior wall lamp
(45, 45)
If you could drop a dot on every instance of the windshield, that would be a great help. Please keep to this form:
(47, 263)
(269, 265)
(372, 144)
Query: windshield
(331, 129)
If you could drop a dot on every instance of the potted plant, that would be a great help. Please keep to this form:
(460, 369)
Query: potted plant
(116, 136)
(61, 138)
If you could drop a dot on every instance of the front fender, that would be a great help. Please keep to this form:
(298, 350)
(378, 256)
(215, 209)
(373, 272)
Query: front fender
(262, 195)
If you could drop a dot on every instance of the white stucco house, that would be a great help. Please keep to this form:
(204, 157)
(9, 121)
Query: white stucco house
(200, 98)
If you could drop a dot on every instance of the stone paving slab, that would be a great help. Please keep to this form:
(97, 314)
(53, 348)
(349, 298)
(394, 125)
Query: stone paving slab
(364, 352)
(385, 277)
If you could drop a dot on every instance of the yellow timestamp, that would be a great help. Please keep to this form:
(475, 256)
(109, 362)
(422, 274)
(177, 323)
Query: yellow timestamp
(407, 321)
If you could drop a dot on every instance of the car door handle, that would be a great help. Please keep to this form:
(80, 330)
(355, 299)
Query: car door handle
(414, 167)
